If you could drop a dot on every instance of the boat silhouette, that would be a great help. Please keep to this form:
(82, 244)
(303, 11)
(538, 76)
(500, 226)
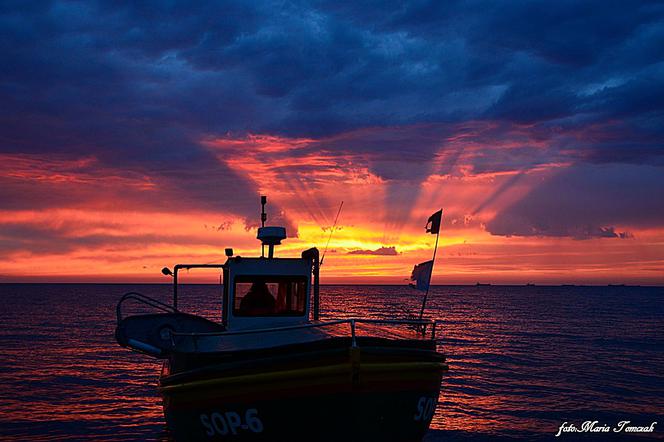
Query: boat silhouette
(271, 369)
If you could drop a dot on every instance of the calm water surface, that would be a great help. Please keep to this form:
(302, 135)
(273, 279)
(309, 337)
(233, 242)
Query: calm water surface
(522, 359)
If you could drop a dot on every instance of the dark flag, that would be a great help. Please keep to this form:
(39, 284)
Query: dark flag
(421, 275)
(433, 224)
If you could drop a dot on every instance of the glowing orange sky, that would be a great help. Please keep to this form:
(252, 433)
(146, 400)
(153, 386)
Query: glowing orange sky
(121, 225)
(132, 138)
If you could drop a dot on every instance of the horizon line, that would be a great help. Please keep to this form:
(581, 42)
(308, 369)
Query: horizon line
(345, 284)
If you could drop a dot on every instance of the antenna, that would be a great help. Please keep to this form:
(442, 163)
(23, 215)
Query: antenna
(263, 219)
(263, 214)
(331, 232)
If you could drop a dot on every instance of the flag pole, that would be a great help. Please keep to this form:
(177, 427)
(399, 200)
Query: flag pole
(433, 261)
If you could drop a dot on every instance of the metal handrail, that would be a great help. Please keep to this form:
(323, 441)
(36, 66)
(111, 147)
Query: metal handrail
(350, 321)
(262, 330)
(139, 297)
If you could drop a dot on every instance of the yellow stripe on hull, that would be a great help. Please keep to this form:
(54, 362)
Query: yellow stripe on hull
(404, 368)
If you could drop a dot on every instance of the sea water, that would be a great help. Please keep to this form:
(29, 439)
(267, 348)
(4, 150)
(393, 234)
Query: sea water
(524, 361)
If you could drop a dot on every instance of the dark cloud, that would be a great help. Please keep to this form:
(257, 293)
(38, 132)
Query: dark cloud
(587, 201)
(382, 251)
(295, 68)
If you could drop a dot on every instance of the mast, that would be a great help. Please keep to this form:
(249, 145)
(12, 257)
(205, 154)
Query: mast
(269, 236)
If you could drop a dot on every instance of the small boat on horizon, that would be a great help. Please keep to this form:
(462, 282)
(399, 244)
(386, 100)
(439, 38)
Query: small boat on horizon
(482, 284)
(271, 369)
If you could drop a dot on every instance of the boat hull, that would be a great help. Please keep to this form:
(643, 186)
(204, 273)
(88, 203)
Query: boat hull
(352, 396)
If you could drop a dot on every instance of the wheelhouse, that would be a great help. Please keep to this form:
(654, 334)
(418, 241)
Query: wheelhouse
(266, 292)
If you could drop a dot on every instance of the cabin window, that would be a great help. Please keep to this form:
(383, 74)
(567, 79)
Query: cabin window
(270, 296)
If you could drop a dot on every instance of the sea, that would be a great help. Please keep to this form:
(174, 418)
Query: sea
(523, 360)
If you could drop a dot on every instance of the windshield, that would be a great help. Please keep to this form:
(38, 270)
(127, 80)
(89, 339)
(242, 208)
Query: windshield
(270, 296)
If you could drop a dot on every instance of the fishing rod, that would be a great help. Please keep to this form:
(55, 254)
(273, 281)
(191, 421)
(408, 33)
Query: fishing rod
(331, 232)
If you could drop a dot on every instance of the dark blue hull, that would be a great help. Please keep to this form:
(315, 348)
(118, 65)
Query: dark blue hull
(372, 394)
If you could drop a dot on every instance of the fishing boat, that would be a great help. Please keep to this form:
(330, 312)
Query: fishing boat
(271, 369)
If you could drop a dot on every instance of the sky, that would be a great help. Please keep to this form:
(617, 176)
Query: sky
(136, 135)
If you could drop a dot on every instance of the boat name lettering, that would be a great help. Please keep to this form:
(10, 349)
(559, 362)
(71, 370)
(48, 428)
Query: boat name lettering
(425, 408)
(217, 423)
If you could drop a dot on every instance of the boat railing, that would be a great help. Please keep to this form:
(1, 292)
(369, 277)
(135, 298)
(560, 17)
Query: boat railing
(419, 325)
(143, 299)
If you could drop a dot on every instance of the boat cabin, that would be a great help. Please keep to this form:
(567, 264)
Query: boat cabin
(266, 292)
